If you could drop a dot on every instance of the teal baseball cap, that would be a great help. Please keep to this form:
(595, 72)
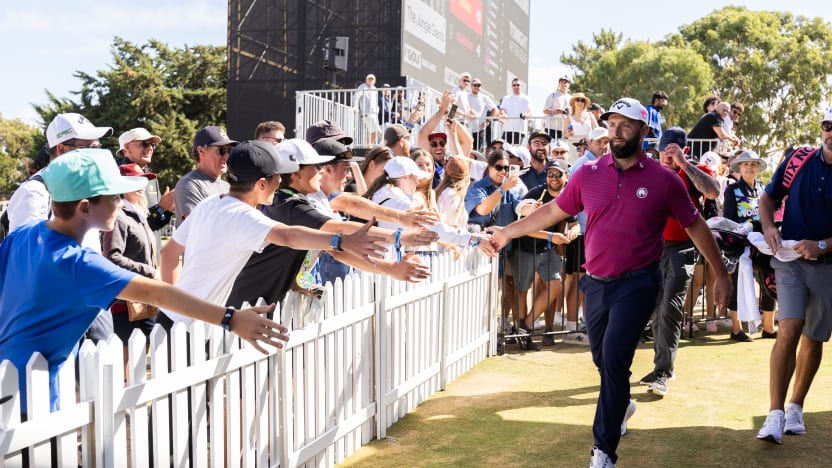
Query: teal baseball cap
(86, 173)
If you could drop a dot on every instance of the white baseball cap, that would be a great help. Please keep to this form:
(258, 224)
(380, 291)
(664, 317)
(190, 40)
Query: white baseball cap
(710, 159)
(628, 107)
(65, 127)
(135, 134)
(828, 116)
(401, 166)
(301, 152)
(560, 144)
(523, 154)
(597, 134)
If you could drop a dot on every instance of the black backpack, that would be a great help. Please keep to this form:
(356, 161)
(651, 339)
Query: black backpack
(4, 218)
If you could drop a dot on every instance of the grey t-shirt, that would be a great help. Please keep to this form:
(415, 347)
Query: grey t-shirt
(192, 188)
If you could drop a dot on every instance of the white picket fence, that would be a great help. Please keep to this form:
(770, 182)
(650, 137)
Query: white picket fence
(382, 348)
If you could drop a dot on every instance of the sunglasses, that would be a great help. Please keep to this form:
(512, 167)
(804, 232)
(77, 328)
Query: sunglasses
(500, 168)
(148, 144)
(559, 152)
(466, 81)
(554, 175)
(221, 150)
(437, 144)
(515, 85)
(476, 85)
(826, 126)
(580, 99)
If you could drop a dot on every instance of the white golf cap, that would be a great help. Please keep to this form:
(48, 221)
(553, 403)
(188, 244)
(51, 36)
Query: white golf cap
(401, 166)
(597, 134)
(710, 159)
(828, 116)
(65, 127)
(135, 134)
(301, 152)
(560, 144)
(628, 107)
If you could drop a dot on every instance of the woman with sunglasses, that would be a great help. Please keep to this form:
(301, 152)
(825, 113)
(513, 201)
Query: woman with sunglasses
(580, 121)
(491, 201)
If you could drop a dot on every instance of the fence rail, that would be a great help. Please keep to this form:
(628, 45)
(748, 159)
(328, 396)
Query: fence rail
(200, 397)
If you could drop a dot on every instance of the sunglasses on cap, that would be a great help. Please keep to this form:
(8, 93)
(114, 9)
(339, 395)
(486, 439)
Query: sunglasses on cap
(437, 144)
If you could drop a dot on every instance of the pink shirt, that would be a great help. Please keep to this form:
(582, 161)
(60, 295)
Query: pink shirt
(626, 212)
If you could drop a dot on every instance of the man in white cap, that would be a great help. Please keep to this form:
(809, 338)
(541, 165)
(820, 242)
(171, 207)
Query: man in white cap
(366, 105)
(137, 146)
(627, 197)
(65, 133)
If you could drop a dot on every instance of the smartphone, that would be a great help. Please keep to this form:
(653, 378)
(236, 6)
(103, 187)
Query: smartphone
(452, 112)
(513, 170)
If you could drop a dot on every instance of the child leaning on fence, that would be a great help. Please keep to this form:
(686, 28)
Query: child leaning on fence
(52, 288)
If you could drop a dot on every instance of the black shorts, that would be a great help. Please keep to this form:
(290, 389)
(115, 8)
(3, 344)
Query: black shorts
(574, 256)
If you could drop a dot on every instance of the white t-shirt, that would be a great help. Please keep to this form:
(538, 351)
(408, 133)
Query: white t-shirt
(557, 101)
(219, 236)
(514, 105)
(451, 207)
(29, 202)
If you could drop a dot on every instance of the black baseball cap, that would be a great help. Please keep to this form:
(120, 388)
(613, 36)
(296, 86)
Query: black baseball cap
(252, 160)
(332, 147)
(541, 134)
(326, 129)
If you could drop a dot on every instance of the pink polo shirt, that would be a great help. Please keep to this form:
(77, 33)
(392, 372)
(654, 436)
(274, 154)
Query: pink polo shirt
(626, 212)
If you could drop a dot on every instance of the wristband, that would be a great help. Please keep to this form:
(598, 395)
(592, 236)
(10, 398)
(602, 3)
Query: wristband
(408, 125)
(500, 190)
(397, 244)
(549, 242)
(226, 319)
(335, 242)
(475, 241)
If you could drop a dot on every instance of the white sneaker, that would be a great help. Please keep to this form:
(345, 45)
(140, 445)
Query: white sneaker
(576, 338)
(794, 420)
(772, 430)
(600, 459)
(631, 410)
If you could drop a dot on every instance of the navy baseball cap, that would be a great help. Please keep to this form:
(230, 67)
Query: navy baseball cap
(673, 135)
(252, 160)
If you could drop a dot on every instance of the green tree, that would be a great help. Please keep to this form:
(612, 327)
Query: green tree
(775, 63)
(172, 92)
(18, 145)
(636, 69)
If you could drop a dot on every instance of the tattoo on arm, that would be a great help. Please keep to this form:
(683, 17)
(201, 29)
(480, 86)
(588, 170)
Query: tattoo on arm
(706, 184)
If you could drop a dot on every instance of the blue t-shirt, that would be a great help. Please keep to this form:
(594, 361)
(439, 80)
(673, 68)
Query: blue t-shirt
(51, 290)
(808, 208)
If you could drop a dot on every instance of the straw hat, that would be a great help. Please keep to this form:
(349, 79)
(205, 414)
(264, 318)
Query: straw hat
(575, 97)
(748, 156)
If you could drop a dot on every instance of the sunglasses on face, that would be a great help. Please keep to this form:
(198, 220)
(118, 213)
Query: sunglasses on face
(148, 144)
(500, 168)
(466, 80)
(581, 100)
(221, 150)
(554, 175)
(476, 85)
(515, 85)
(559, 152)
(437, 144)
(826, 126)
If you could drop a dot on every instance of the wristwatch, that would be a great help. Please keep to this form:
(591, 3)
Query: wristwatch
(226, 319)
(822, 246)
(335, 242)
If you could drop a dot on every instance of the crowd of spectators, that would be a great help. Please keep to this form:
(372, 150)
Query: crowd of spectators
(277, 218)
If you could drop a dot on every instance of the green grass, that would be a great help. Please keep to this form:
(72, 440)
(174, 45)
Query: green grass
(528, 409)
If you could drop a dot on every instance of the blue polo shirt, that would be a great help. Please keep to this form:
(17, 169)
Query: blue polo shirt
(808, 213)
(479, 191)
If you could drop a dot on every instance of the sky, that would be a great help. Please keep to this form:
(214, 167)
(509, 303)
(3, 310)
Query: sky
(41, 55)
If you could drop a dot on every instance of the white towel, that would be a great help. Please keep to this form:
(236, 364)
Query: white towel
(786, 252)
(747, 306)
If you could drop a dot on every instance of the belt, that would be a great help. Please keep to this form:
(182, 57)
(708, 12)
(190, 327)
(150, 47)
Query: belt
(684, 243)
(627, 274)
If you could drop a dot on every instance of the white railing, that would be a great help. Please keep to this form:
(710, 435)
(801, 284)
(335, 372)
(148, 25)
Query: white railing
(382, 348)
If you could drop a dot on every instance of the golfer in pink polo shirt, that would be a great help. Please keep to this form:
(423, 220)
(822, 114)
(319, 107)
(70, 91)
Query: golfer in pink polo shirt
(627, 198)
